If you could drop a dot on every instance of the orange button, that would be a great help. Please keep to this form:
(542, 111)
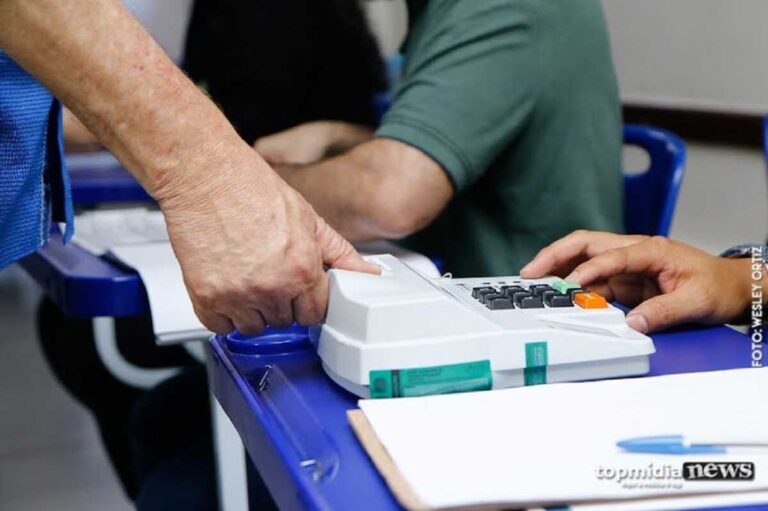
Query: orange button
(590, 300)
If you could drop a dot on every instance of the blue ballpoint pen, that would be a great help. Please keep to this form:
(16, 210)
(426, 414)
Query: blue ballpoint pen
(677, 444)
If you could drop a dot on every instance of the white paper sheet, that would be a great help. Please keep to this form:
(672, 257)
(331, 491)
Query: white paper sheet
(686, 503)
(173, 317)
(99, 231)
(545, 444)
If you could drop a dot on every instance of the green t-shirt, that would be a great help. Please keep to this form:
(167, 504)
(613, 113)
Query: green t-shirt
(517, 101)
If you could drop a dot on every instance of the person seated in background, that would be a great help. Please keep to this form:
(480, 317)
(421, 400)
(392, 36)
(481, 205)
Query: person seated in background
(316, 60)
(667, 282)
(271, 64)
(503, 136)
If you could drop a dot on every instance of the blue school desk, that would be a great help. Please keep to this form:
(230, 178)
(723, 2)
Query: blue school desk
(99, 179)
(92, 186)
(288, 413)
(292, 417)
(84, 285)
(80, 283)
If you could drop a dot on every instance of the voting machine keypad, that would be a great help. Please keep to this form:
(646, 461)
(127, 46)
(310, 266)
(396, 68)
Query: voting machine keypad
(524, 331)
(520, 295)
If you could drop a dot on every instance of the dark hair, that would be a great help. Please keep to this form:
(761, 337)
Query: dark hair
(272, 64)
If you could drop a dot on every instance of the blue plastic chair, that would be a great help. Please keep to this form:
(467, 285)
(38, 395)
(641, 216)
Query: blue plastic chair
(765, 140)
(765, 145)
(651, 196)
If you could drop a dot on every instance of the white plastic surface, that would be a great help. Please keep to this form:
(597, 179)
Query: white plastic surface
(402, 320)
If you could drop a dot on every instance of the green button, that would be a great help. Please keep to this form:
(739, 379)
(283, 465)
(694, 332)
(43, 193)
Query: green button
(562, 286)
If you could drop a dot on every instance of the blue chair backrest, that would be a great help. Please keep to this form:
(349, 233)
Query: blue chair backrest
(765, 139)
(650, 196)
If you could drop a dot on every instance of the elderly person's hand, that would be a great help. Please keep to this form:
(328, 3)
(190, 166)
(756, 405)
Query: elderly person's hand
(252, 249)
(668, 282)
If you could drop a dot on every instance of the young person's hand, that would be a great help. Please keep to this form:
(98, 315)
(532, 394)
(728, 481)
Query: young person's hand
(311, 142)
(668, 282)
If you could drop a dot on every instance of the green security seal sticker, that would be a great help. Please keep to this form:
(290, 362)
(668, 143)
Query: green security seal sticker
(535, 372)
(425, 381)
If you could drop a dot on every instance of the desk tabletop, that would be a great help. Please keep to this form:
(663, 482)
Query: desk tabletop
(292, 417)
(80, 283)
(104, 184)
(83, 284)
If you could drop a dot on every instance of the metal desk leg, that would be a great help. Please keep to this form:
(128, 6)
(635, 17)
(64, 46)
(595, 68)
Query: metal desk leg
(106, 345)
(230, 461)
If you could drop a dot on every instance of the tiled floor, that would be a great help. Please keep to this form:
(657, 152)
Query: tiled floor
(50, 455)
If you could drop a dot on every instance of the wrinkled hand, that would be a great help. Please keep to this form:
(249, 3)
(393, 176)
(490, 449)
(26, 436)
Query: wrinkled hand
(310, 142)
(669, 282)
(252, 249)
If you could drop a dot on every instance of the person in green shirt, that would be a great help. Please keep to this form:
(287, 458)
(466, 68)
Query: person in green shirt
(504, 135)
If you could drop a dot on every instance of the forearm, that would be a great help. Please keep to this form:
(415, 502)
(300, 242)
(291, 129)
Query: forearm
(344, 136)
(100, 62)
(343, 193)
(380, 189)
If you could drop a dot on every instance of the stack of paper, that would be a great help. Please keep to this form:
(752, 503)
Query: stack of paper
(556, 444)
(99, 231)
(173, 317)
(138, 238)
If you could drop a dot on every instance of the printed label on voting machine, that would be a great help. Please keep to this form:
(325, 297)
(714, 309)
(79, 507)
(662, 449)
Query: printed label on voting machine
(718, 471)
(425, 381)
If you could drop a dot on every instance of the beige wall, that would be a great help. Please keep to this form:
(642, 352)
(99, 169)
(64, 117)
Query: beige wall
(389, 21)
(710, 54)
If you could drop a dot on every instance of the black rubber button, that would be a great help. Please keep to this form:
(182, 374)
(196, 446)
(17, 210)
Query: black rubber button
(500, 303)
(530, 302)
(538, 289)
(558, 300)
(510, 290)
(488, 297)
(477, 292)
(517, 297)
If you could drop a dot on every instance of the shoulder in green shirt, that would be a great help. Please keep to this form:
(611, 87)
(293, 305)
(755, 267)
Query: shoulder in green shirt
(517, 101)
